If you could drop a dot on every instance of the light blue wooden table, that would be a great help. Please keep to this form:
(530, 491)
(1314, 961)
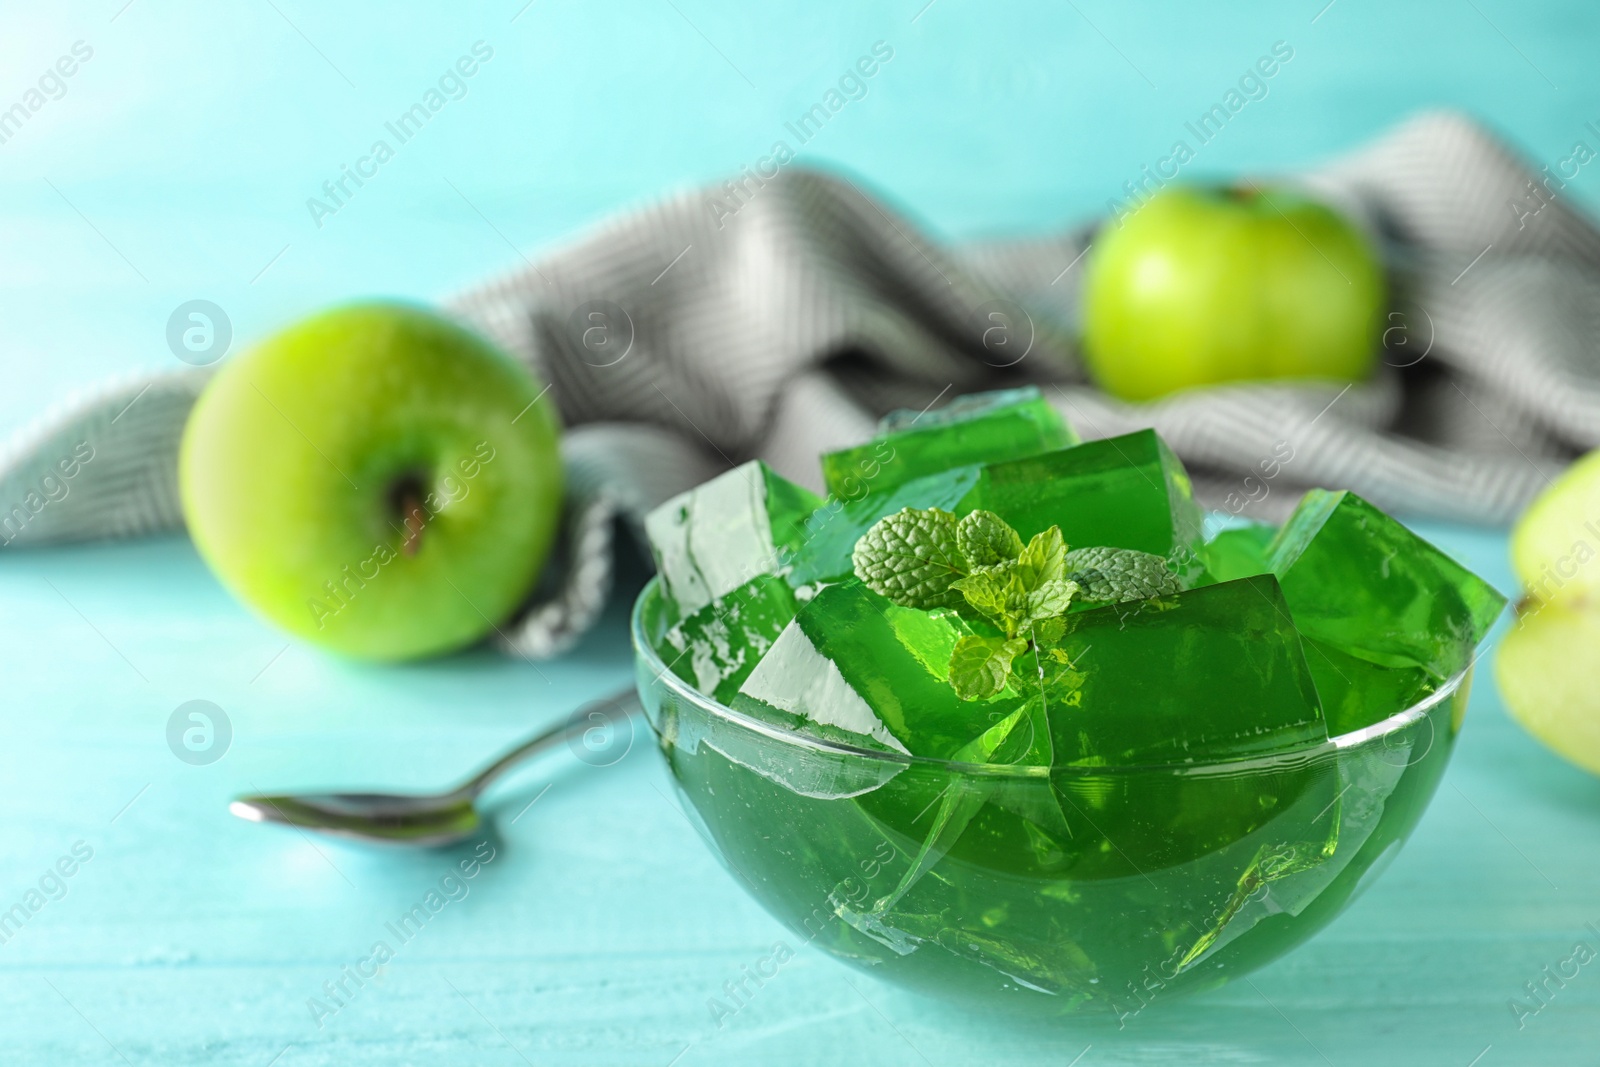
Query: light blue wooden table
(176, 164)
(602, 926)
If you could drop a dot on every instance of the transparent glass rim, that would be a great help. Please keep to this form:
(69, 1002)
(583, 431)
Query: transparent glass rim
(1300, 754)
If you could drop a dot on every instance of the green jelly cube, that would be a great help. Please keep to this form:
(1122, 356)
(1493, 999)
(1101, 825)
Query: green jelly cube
(1357, 693)
(1238, 552)
(717, 647)
(834, 528)
(980, 428)
(1125, 492)
(856, 662)
(1358, 580)
(717, 536)
(1211, 673)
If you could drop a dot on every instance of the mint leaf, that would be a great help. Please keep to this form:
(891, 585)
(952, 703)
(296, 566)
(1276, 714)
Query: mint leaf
(1047, 632)
(999, 592)
(985, 538)
(1044, 558)
(1050, 599)
(979, 666)
(911, 557)
(1115, 575)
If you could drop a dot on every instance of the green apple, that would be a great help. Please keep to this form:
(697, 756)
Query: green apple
(376, 479)
(1558, 535)
(1550, 681)
(1547, 668)
(1202, 285)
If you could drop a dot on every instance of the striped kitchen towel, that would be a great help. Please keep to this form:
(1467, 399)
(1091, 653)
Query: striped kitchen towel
(779, 317)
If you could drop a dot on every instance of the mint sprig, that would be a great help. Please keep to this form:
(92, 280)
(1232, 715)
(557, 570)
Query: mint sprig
(979, 566)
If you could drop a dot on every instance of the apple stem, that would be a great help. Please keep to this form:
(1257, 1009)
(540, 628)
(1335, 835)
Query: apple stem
(415, 519)
(407, 500)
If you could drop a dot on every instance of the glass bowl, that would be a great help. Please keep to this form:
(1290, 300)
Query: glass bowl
(1050, 890)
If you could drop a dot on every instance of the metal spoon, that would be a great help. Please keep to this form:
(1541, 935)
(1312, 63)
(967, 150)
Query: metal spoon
(426, 820)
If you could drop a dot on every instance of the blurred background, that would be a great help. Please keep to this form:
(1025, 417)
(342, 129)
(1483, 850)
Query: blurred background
(177, 162)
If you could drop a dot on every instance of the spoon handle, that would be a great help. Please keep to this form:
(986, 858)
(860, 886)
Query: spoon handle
(607, 711)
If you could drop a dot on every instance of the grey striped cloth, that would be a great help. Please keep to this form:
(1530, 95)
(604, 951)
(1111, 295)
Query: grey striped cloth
(779, 318)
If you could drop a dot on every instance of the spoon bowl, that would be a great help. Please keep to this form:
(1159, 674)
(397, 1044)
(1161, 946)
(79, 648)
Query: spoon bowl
(383, 818)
